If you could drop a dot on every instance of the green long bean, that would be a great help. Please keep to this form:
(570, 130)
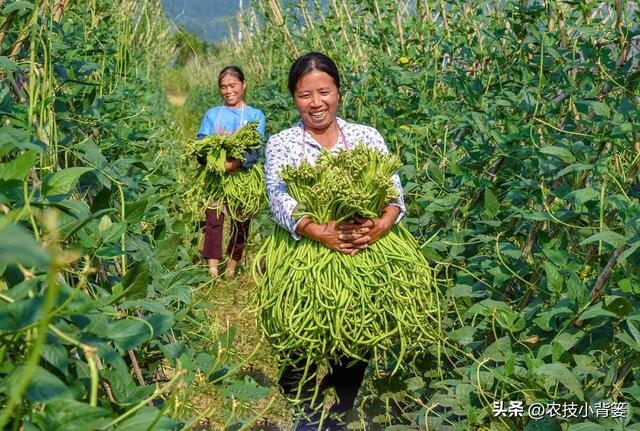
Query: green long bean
(241, 191)
(321, 304)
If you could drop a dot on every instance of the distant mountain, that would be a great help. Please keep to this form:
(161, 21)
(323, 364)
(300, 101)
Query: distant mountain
(208, 19)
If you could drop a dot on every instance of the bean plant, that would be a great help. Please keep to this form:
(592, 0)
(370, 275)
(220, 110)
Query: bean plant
(517, 124)
(105, 320)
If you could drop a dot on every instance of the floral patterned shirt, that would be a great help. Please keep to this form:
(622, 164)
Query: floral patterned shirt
(287, 148)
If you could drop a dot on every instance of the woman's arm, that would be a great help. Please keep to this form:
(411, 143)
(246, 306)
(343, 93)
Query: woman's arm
(252, 156)
(282, 203)
(231, 165)
(206, 126)
(204, 130)
(262, 122)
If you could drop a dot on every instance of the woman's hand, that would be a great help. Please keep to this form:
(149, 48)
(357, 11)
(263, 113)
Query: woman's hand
(376, 227)
(231, 165)
(333, 237)
(354, 232)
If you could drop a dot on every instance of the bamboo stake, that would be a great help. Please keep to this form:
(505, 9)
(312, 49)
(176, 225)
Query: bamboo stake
(18, 45)
(399, 28)
(255, 21)
(242, 28)
(619, 18)
(5, 26)
(624, 372)
(443, 13)
(17, 91)
(136, 367)
(550, 23)
(598, 10)
(274, 6)
(378, 16)
(276, 11)
(361, 57)
(598, 287)
(318, 10)
(376, 10)
(305, 15)
(105, 384)
(476, 32)
(141, 14)
(342, 30)
(345, 6)
(58, 9)
(318, 13)
(420, 23)
(562, 27)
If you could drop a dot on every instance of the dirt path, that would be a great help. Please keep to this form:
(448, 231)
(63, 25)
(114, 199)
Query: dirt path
(177, 100)
(232, 300)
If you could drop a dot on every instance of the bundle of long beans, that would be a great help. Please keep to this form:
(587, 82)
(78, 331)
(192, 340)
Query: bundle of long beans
(321, 304)
(243, 191)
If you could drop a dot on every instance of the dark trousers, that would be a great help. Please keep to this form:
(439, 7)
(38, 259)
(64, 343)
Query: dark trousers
(345, 380)
(239, 233)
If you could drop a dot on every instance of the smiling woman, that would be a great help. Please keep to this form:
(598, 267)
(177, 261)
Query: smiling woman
(314, 83)
(225, 120)
(316, 98)
(232, 89)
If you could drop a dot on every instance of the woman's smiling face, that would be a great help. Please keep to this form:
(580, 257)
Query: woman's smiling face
(316, 99)
(232, 90)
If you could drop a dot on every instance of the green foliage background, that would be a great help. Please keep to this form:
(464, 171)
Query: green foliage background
(517, 123)
(105, 320)
(518, 126)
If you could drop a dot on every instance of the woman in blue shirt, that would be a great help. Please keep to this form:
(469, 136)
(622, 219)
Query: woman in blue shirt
(225, 120)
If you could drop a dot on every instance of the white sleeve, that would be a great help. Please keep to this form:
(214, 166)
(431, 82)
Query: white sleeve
(282, 203)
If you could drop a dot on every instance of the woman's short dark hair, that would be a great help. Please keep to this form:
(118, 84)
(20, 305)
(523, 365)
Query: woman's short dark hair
(308, 63)
(233, 71)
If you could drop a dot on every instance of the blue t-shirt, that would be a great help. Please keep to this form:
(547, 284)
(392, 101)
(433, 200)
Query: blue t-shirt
(224, 120)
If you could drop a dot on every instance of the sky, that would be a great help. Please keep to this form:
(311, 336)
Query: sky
(204, 18)
(208, 19)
